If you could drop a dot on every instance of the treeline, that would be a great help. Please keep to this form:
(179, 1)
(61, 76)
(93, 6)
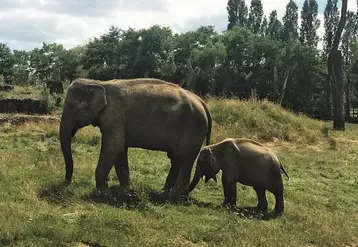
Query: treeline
(256, 56)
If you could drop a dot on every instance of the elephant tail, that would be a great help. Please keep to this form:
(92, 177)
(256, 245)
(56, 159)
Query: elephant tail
(284, 171)
(208, 115)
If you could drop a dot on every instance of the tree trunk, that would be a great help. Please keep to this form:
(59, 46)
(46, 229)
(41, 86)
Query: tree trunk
(288, 68)
(348, 101)
(328, 98)
(335, 71)
(146, 73)
(335, 63)
(190, 78)
(287, 74)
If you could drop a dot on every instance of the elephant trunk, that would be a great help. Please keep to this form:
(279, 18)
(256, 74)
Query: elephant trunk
(198, 174)
(67, 131)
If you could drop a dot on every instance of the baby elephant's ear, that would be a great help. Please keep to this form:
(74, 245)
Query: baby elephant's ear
(212, 156)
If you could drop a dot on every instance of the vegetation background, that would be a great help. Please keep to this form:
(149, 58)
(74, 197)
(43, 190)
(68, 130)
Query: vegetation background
(257, 55)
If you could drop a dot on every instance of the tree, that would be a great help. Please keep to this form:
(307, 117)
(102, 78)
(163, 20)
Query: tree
(274, 27)
(46, 62)
(348, 41)
(184, 46)
(255, 16)
(6, 63)
(154, 47)
(70, 66)
(290, 22)
(309, 23)
(264, 27)
(237, 13)
(208, 58)
(102, 56)
(336, 74)
(21, 68)
(331, 19)
(303, 93)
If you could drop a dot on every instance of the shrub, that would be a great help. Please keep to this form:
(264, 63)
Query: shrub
(48, 101)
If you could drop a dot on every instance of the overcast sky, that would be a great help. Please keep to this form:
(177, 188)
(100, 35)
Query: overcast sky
(25, 24)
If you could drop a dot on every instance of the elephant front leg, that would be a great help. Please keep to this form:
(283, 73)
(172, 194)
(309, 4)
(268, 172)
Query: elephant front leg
(229, 191)
(107, 157)
(122, 169)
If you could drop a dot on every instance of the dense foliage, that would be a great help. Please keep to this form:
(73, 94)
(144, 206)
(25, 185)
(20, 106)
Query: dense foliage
(257, 56)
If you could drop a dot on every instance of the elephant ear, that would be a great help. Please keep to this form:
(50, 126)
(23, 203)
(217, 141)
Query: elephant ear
(213, 168)
(232, 153)
(97, 98)
(212, 159)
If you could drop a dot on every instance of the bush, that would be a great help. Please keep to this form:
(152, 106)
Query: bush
(48, 101)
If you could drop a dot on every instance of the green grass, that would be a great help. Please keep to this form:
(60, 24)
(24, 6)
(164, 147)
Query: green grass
(21, 92)
(321, 198)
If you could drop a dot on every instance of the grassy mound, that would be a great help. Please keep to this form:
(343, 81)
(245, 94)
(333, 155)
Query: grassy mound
(261, 120)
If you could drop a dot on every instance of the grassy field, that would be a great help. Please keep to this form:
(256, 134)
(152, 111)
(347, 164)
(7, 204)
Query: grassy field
(321, 200)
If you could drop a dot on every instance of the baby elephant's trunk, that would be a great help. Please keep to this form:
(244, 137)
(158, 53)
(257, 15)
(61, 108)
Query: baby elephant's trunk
(198, 174)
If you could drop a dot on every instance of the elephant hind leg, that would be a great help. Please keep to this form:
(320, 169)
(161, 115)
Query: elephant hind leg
(262, 203)
(182, 168)
(279, 202)
(122, 169)
(173, 173)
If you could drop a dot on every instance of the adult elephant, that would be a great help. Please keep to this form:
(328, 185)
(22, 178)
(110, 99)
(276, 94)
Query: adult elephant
(144, 113)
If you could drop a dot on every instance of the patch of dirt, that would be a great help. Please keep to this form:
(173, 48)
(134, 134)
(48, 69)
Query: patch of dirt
(29, 106)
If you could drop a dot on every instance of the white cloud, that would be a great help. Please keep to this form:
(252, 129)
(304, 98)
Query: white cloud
(25, 24)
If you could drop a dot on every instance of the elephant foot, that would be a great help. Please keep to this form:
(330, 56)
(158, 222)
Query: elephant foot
(230, 206)
(178, 195)
(279, 206)
(125, 187)
(170, 195)
(262, 207)
(67, 181)
(101, 192)
(278, 212)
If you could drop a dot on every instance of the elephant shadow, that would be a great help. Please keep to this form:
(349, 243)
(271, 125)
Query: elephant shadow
(117, 197)
(160, 197)
(253, 213)
(57, 193)
(61, 193)
(243, 212)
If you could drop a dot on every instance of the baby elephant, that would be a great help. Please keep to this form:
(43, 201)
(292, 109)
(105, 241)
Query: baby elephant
(247, 162)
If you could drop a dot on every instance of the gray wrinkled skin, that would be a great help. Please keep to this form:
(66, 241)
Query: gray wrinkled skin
(142, 113)
(247, 162)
